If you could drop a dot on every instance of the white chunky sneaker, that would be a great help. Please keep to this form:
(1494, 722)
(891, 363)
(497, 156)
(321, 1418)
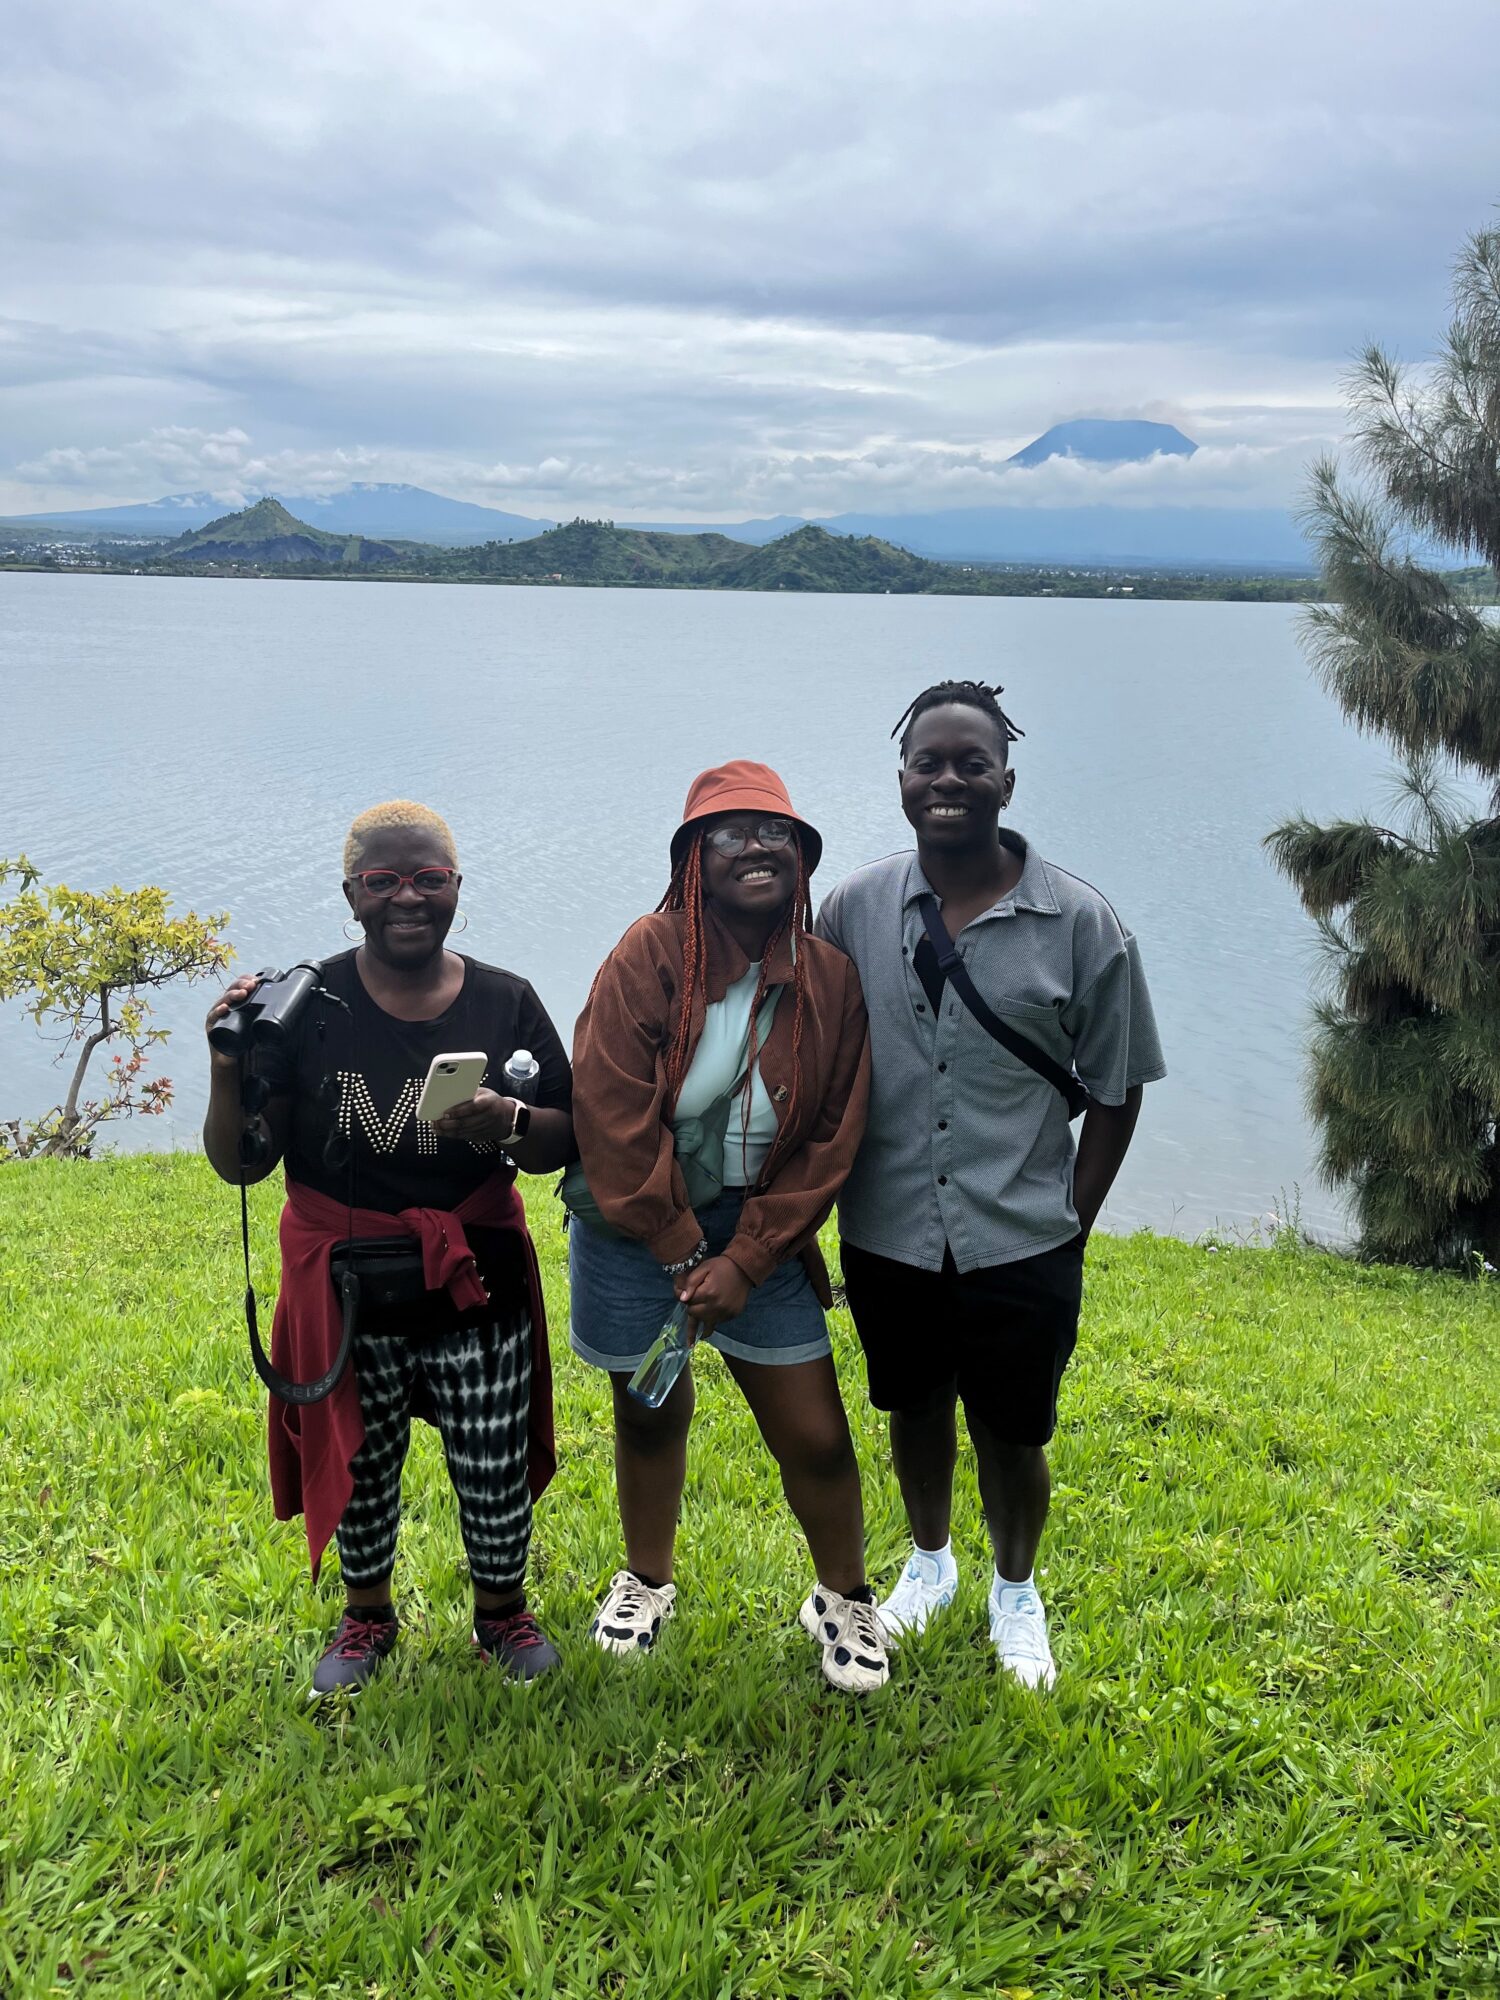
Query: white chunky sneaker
(852, 1637)
(1018, 1627)
(927, 1585)
(632, 1614)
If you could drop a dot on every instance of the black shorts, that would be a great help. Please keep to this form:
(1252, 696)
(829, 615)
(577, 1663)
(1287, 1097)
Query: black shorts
(1002, 1335)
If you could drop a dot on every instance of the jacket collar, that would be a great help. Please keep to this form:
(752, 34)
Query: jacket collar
(1032, 892)
(727, 961)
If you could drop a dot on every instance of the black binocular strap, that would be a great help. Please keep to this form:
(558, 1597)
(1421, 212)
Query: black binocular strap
(282, 1386)
(950, 963)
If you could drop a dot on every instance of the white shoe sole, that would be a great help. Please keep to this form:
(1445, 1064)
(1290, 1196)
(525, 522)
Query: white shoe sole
(625, 1649)
(851, 1679)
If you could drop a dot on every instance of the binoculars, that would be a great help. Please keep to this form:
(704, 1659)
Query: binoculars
(270, 1014)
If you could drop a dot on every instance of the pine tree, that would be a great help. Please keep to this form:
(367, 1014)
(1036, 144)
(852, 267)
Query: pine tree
(1405, 1069)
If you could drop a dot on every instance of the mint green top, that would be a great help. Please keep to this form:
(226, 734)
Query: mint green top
(718, 1063)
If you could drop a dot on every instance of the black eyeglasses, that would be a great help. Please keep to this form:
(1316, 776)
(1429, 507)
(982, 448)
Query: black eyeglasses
(386, 881)
(732, 840)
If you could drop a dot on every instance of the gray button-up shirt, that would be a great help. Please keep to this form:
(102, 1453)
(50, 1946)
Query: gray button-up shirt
(967, 1148)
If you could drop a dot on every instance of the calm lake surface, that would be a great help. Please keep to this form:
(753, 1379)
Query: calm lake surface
(217, 737)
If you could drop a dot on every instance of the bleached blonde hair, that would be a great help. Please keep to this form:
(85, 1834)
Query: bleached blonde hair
(401, 814)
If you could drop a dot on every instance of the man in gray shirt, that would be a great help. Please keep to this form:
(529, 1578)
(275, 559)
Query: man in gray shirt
(964, 1221)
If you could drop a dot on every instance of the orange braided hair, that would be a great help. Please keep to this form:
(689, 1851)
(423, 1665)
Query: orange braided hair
(685, 895)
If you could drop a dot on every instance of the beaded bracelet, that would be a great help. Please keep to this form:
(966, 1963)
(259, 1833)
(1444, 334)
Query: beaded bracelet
(688, 1263)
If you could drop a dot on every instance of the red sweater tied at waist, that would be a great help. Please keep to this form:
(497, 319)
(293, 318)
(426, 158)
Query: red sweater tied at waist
(313, 1446)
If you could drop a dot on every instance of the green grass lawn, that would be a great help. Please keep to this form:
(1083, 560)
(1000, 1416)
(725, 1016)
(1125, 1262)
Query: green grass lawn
(1270, 1766)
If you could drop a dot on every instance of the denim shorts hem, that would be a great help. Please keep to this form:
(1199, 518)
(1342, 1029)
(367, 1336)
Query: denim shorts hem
(769, 1357)
(614, 1364)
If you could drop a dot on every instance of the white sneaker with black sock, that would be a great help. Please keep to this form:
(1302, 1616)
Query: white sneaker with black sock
(926, 1587)
(1018, 1628)
(630, 1619)
(852, 1636)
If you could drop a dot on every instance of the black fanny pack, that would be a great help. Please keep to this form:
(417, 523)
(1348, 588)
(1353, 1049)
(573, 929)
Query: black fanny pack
(389, 1269)
(385, 1270)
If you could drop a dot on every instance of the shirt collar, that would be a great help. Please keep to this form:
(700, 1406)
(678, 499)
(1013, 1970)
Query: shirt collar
(1032, 892)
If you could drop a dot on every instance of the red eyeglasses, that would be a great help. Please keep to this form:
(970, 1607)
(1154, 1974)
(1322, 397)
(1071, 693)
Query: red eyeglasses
(386, 881)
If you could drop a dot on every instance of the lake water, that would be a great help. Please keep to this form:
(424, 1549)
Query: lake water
(216, 737)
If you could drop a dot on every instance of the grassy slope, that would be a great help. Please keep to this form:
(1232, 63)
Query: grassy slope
(592, 552)
(596, 552)
(1269, 1769)
(812, 559)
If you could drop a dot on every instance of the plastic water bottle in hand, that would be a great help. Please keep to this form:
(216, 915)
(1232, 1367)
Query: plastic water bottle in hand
(522, 1075)
(665, 1360)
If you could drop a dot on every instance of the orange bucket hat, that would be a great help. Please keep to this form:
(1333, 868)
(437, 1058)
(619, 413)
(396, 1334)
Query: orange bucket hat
(741, 786)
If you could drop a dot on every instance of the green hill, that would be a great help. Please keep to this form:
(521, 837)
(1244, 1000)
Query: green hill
(597, 552)
(267, 536)
(812, 559)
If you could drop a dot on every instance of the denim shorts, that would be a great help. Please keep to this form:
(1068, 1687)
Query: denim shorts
(621, 1299)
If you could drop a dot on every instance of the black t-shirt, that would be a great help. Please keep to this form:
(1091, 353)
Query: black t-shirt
(354, 1074)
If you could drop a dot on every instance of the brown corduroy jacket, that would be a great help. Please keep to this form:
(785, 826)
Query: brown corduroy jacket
(620, 1112)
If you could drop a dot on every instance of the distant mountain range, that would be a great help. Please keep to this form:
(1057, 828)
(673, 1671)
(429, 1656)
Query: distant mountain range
(1193, 537)
(391, 513)
(1213, 538)
(266, 540)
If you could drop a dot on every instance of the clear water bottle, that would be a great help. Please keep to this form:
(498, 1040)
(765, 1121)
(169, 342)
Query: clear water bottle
(665, 1360)
(522, 1075)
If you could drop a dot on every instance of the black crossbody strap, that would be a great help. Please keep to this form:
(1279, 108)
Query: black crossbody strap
(951, 965)
(282, 1386)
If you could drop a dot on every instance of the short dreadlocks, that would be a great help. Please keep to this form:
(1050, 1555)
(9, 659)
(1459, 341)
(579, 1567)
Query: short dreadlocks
(961, 694)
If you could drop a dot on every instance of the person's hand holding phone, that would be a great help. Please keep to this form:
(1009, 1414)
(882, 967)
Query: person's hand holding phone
(486, 1115)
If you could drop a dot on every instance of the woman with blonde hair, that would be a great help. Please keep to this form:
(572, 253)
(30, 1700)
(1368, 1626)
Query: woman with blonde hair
(723, 1013)
(462, 1340)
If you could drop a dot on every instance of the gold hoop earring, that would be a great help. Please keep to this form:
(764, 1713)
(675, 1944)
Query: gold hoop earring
(358, 927)
(463, 921)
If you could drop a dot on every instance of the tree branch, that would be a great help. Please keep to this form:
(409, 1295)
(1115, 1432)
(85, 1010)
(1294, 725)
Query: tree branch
(101, 1034)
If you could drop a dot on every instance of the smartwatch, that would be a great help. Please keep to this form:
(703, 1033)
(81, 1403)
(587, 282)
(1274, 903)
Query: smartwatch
(522, 1125)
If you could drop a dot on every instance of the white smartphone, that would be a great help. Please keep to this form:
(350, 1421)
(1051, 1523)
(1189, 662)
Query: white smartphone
(451, 1080)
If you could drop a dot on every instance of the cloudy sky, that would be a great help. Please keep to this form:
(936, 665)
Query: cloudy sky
(699, 259)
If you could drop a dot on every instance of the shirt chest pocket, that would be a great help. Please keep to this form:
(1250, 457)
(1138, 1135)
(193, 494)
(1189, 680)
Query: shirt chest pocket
(1037, 1024)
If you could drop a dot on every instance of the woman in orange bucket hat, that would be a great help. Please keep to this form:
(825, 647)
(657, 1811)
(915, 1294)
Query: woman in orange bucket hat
(723, 995)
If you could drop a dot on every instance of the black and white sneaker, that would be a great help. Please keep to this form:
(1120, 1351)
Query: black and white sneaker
(853, 1637)
(632, 1614)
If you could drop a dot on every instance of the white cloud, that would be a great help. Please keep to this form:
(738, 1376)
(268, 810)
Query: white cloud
(220, 463)
(894, 474)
